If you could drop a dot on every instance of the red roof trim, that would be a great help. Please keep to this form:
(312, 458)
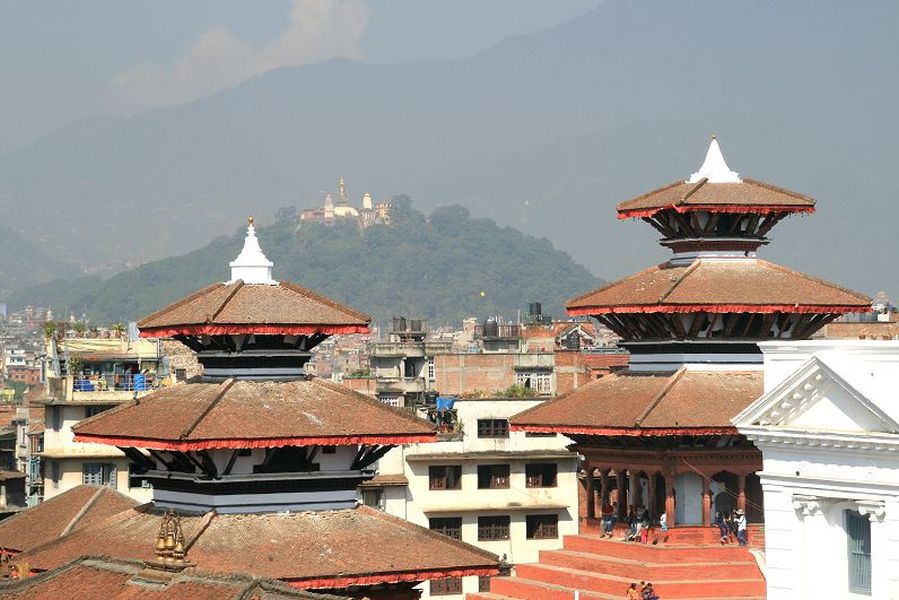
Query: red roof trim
(343, 582)
(259, 329)
(718, 308)
(624, 431)
(238, 443)
(717, 208)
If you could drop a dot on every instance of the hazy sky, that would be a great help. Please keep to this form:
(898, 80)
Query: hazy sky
(61, 61)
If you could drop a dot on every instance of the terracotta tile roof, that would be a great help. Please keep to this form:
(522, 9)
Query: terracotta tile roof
(225, 308)
(744, 285)
(81, 506)
(648, 404)
(310, 549)
(747, 196)
(253, 414)
(386, 480)
(98, 578)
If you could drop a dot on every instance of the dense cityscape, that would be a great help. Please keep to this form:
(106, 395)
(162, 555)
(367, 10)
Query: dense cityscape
(354, 399)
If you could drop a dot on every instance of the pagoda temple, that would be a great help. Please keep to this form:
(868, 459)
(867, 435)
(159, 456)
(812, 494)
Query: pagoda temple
(254, 464)
(659, 434)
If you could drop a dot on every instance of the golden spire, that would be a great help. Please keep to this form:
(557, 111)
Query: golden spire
(250, 220)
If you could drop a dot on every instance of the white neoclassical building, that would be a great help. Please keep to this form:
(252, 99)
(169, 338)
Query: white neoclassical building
(828, 429)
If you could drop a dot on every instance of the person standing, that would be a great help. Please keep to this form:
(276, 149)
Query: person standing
(741, 528)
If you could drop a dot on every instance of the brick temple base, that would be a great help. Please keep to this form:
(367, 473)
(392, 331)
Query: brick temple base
(603, 569)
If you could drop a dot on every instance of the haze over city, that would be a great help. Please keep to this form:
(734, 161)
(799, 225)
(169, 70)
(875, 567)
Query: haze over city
(469, 300)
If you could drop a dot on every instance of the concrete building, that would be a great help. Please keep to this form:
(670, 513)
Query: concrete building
(86, 376)
(404, 365)
(828, 429)
(510, 493)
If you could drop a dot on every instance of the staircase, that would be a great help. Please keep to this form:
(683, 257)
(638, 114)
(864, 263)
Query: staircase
(602, 569)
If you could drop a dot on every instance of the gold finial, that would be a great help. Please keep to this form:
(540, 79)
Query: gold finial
(250, 220)
(714, 137)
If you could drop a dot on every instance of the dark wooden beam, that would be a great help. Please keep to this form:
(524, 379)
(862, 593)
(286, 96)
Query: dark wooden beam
(231, 462)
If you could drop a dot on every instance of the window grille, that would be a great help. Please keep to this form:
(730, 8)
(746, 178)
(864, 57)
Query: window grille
(858, 534)
(446, 587)
(448, 526)
(541, 474)
(445, 477)
(542, 527)
(493, 428)
(493, 477)
(493, 528)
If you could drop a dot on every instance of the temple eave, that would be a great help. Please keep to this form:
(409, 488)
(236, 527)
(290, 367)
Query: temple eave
(624, 431)
(323, 583)
(575, 311)
(250, 329)
(238, 443)
(715, 208)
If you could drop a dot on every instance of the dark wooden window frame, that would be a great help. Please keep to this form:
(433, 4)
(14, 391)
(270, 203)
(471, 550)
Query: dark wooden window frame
(493, 528)
(493, 428)
(542, 527)
(541, 475)
(445, 477)
(493, 477)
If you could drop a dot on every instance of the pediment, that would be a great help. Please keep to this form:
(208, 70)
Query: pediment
(816, 398)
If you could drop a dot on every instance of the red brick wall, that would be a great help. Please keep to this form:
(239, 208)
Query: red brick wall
(366, 385)
(460, 373)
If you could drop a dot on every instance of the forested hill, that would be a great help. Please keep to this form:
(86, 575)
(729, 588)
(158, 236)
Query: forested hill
(435, 267)
(23, 263)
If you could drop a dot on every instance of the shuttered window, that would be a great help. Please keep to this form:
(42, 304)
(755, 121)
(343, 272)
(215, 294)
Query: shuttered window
(858, 533)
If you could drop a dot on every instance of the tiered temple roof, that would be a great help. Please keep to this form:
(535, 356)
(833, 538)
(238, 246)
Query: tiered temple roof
(258, 462)
(253, 414)
(311, 550)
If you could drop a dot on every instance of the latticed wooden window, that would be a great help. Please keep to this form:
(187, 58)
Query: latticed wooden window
(542, 527)
(493, 528)
(493, 428)
(541, 474)
(446, 587)
(858, 533)
(445, 477)
(493, 477)
(448, 526)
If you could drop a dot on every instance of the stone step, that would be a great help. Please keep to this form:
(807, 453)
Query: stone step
(697, 585)
(665, 553)
(641, 570)
(526, 589)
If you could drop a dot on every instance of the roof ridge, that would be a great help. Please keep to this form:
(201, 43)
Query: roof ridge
(785, 269)
(612, 284)
(680, 280)
(204, 524)
(661, 395)
(692, 190)
(178, 303)
(104, 414)
(620, 205)
(80, 514)
(405, 414)
(225, 386)
(237, 285)
(409, 525)
(777, 188)
(327, 301)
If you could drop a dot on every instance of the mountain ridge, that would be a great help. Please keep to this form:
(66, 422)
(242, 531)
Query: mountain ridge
(545, 132)
(444, 267)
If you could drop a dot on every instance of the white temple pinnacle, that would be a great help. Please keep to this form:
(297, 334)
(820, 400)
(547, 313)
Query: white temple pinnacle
(251, 265)
(714, 168)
